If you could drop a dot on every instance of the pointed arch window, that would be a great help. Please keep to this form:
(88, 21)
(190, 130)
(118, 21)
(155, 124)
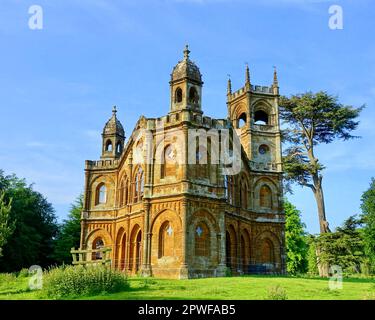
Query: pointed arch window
(108, 146)
(243, 194)
(202, 240)
(229, 185)
(166, 244)
(267, 253)
(178, 95)
(138, 185)
(119, 147)
(265, 197)
(124, 192)
(193, 95)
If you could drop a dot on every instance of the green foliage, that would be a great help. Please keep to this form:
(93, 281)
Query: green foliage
(23, 273)
(72, 281)
(368, 217)
(312, 261)
(344, 247)
(228, 272)
(296, 246)
(34, 226)
(6, 228)
(277, 293)
(69, 234)
(313, 119)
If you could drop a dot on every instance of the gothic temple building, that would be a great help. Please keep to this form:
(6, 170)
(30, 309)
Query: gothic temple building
(164, 216)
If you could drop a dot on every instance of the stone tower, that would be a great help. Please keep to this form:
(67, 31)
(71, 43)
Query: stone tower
(113, 138)
(186, 85)
(254, 114)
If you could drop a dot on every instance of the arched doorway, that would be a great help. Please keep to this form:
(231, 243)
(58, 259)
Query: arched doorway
(231, 248)
(138, 251)
(228, 252)
(135, 256)
(120, 249)
(245, 251)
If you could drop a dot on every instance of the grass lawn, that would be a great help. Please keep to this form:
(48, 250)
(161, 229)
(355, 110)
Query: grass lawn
(242, 288)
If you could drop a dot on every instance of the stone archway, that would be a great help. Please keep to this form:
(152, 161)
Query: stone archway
(245, 251)
(135, 255)
(120, 247)
(231, 248)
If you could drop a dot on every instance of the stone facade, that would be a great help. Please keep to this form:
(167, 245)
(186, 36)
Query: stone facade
(166, 217)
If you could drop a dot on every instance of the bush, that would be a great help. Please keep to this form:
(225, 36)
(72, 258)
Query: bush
(6, 278)
(73, 281)
(277, 293)
(228, 272)
(23, 273)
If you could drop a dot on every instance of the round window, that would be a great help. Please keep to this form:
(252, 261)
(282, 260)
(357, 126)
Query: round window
(263, 149)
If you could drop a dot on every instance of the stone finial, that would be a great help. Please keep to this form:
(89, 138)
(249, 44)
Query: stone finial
(247, 77)
(275, 80)
(186, 52)
(229, 88)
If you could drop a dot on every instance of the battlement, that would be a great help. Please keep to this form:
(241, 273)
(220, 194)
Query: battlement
(101, 164)
(253, 89)
(187, 116)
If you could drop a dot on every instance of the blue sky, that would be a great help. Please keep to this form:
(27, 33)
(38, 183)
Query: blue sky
(58, 84)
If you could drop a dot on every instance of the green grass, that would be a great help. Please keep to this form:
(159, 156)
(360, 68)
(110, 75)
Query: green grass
(242, 288)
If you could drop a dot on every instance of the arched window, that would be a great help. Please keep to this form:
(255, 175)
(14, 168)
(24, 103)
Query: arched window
(108, 146)
(229, 185)
(202, 240)
(193, 95)
(260, 117)
(178, 95)
(242, 120)
(265, 197)
(201, 160)
(169, 162)
(101, 194)
(243, 195)
(97, 244)
(138, 185)
(119, 147)
(166, 240)
(263, 149)
(124, 192)
(267, 252)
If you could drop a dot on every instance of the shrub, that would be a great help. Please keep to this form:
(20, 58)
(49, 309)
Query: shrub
(23, 273)
(277, 293)
(6, 278)
(228, 272)
(73, 281)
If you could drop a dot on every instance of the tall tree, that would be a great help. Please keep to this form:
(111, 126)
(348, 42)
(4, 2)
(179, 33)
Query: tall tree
(6, 228)
(313, 118)
(368, 216)
(295, 239)
(69, 233)
(35, 226)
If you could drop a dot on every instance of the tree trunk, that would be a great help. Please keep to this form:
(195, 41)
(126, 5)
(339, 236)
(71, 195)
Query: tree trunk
(323, 223)
(319, 198)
